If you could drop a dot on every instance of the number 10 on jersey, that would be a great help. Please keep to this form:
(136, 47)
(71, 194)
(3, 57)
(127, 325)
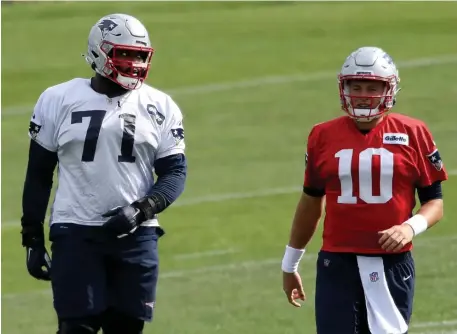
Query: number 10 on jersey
(365, 179)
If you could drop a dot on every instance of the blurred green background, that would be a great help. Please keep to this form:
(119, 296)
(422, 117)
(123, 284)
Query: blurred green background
(251, 79)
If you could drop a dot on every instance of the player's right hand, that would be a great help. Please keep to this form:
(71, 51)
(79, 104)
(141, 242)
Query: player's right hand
(123, 220)
(37, 258)
(293, 288)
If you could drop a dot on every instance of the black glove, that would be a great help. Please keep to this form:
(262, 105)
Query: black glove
(124, 220)
(37, 257)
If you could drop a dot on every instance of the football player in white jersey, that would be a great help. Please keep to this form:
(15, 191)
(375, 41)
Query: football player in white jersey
(107, 135)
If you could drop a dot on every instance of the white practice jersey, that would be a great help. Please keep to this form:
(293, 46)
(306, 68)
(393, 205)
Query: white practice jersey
(106, 147)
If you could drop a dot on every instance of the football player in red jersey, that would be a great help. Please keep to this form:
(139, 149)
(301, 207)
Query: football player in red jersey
(368, 166)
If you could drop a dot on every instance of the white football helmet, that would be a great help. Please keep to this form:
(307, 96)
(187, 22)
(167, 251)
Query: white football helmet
(119, 49)
(369, 63)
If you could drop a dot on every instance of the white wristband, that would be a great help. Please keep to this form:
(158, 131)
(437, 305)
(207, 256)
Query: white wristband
(418, 223)
(291, 259)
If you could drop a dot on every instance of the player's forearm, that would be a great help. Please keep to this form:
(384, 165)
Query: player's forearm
(307, 215)
(37, 185)
(172, 173)
(432, 211)
(428, 215)
(306, 219)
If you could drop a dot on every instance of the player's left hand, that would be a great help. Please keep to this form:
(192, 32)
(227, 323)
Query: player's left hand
(293, 288)
(396, 237)
(124, 220)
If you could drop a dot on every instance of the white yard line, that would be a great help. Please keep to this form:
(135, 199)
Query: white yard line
(211, 253)
(434, 332)
(217, 198)
(239, 195)
(266, 80)
(444, 323)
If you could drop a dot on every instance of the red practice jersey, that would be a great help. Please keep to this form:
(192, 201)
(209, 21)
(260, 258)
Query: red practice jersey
(370, 179)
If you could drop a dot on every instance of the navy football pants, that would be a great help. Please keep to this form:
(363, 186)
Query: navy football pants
(91, 273)
(340, 300)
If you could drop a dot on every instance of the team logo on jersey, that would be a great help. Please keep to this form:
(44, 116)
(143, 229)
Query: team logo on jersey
(106, 26)
(306, 159)
(178, 134)
(34, 129)
(435, 160)
(374, 276)
(395, 138)
(153, 112)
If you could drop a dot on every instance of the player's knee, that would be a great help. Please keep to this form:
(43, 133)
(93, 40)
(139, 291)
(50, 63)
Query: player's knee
(88, 325)
(116, 322)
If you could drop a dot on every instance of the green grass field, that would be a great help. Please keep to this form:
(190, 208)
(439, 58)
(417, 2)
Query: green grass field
(251, 79)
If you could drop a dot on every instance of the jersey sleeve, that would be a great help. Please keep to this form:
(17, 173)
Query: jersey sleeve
(42, 126)
(312, 179)
(430, 166)
(172, 136)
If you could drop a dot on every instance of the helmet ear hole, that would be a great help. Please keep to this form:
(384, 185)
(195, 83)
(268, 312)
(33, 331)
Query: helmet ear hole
(93, 66)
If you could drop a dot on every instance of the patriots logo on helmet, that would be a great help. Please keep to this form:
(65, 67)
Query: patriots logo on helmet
(435, 159)
(178, 134)
(106, 26)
